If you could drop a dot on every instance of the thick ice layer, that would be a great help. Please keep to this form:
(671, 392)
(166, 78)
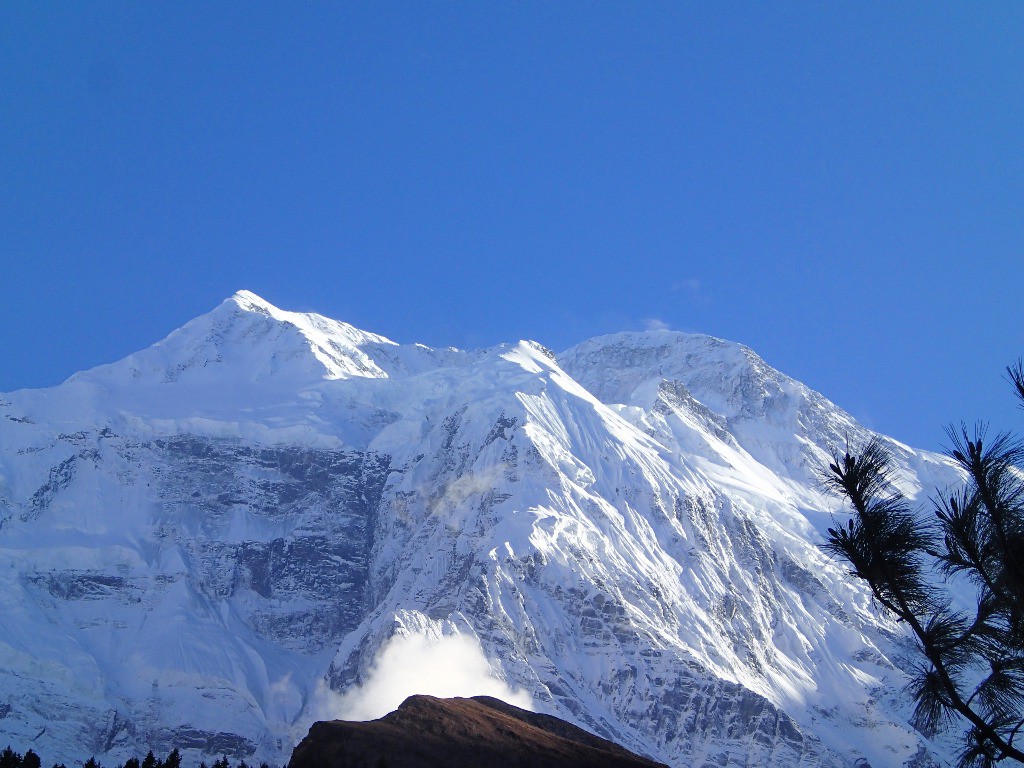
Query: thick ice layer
(200, 542)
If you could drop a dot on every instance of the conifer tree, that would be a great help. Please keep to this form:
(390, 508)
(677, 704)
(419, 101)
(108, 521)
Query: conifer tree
(972, 663)
(9, 758)
(31, 760)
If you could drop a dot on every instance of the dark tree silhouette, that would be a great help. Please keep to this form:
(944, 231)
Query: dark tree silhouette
(9, 758)
(973, 662)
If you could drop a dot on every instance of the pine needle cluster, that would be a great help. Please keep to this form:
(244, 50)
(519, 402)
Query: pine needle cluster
(972, 660)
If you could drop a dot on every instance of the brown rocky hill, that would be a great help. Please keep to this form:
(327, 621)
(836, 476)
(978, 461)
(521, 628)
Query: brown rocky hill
(428, 732)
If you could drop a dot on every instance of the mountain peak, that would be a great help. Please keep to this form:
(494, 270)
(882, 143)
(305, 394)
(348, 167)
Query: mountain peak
(247, 340)
(250, 302)
(613, 366)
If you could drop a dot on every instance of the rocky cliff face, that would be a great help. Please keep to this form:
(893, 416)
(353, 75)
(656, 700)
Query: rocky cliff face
(202, 541)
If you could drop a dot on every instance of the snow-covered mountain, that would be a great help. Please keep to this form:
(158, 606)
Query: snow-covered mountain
(200, 542)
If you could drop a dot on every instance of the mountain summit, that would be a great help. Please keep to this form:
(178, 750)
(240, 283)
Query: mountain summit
(241, 529)
(249, 339)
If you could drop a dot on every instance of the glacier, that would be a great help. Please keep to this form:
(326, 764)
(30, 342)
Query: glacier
(199, 540)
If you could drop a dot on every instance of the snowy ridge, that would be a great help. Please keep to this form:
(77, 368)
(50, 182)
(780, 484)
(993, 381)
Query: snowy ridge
(197, 540)
(248, 338)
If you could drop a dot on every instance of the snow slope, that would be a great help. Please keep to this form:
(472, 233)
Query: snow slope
(198, 541)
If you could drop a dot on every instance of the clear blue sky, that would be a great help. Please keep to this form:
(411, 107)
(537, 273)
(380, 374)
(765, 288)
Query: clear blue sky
(838, 185)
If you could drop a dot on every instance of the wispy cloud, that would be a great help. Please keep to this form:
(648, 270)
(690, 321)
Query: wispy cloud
(690, 284)
(691, 290)
(654, 324)
(452, 665)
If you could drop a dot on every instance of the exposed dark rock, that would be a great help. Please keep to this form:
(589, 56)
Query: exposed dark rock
(427, 732)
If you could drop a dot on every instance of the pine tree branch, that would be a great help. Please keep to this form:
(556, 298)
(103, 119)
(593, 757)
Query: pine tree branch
(1015, 373)
(1016, 730)
(883, 546)
(957, 702)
